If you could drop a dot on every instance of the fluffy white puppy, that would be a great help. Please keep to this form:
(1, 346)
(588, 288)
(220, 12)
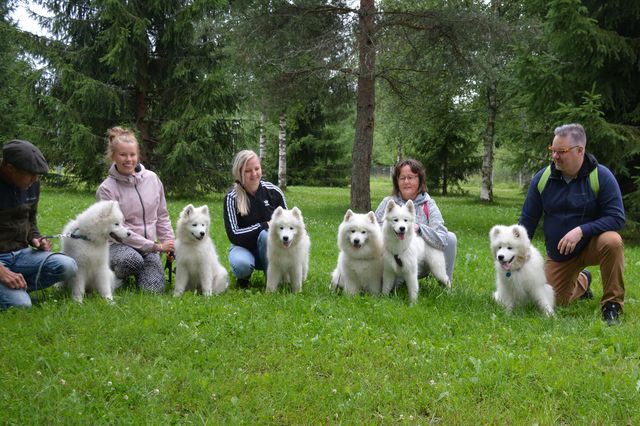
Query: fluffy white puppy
(197, 264)
(519, 270)
(85, 239)
(360, 260)
(406, 254)
(287, 250)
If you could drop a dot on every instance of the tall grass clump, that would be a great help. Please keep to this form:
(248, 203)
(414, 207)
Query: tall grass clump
(248, 357)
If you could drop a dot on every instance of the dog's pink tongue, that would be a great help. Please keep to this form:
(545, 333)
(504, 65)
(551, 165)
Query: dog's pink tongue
(506, 266)
(400, 236)
(286, 244)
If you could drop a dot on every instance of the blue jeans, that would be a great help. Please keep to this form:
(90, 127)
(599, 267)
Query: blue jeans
(52, 267)
(244, 261)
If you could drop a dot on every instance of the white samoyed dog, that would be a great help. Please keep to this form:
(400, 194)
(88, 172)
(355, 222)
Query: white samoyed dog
(406, 254)
(360, 259)
(197, 264)
(287, 250)
(519, 270)
(85, 239)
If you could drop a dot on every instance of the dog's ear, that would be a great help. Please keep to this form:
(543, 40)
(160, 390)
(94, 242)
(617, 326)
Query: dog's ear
(520, 231)
(410, 207)
(186, 212)
(108, 208)
(277, 212)
(296, 213)
(390, 205)
(517, 232)
(495, 231)
(372, 218)
(348, 215)
(205, 209)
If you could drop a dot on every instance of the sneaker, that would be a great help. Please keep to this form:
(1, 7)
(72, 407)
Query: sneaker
(611, 312)
(588, 294)
(242, 283)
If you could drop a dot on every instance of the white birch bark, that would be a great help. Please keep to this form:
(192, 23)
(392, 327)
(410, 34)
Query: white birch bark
(282, 152)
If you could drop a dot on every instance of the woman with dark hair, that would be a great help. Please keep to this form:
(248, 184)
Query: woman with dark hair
(409, 183)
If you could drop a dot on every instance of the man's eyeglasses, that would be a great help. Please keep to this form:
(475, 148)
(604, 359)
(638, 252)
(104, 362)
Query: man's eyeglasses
(407, 178)
(561, 151)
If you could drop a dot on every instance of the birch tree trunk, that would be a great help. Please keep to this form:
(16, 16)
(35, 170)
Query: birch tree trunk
(486, 191)
(263, 137)
(282, 152)
(363, 144)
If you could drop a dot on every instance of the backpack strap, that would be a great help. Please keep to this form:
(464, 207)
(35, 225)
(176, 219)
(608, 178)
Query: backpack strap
(543, 179)
(593, 180)
(595, 183)
(425, 208)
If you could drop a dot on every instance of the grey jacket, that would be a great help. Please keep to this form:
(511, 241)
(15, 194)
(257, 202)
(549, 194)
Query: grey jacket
(432, 229)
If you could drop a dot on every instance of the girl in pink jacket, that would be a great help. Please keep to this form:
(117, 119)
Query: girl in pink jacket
(141, 197)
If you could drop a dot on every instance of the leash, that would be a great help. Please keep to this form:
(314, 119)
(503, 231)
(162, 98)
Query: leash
(71, 235)
(168, 264)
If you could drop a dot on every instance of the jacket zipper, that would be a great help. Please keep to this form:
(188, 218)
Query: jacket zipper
(144, 216)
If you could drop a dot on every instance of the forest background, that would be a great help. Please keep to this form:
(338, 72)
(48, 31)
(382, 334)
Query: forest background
(325, 91)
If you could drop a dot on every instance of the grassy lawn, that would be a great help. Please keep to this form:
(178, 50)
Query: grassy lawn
(247, 357)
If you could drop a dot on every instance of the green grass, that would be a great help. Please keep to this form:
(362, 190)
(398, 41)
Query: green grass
(250, 357)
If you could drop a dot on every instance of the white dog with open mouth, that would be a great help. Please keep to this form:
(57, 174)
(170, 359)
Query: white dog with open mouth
(360, 259)
(406, 254)
(519, 270)
(86, 239)
(197, 264)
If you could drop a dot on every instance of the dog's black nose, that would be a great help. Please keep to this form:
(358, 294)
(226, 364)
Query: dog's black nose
(500, 257)
(285, 238)
(401, 229)
(202, 233)
(128, 234)
(356, 241)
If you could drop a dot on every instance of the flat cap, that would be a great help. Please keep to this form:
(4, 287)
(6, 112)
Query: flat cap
(25, 156)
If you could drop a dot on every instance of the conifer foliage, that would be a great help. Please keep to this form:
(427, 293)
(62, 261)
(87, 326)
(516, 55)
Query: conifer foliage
(147, 64)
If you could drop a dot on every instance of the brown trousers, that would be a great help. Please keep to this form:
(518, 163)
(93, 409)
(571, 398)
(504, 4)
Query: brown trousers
(606, 250)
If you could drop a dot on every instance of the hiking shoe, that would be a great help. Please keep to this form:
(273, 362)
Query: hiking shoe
(242, 283)
(611, 312)
(588, 294)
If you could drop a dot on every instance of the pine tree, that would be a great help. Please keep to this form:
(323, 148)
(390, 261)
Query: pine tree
(152, 65)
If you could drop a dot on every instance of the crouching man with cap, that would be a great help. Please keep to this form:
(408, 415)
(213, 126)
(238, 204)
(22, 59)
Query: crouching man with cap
(26, 261)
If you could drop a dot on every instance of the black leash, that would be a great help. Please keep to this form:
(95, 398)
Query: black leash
(168, 264)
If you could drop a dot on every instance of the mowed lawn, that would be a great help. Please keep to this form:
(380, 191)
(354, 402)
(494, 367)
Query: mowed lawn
(247, 357)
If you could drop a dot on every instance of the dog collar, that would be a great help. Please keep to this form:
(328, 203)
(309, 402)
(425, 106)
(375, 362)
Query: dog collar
(78, 236)
(508, 274)
(398, 260)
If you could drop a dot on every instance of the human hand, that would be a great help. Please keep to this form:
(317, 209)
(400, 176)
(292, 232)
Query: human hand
(168, 246)
(568, 243)
(41, 244)
(12, 279)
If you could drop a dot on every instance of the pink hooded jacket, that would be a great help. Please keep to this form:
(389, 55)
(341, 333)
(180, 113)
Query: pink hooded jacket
(141, 198)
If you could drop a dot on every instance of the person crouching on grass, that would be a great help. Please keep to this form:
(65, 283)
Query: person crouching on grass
(248, 207)
(26, 261)
(141, 196)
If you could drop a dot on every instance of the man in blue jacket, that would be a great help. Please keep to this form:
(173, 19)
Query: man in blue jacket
(583, 212)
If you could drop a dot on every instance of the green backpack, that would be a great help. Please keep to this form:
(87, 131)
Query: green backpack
(593, 180)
